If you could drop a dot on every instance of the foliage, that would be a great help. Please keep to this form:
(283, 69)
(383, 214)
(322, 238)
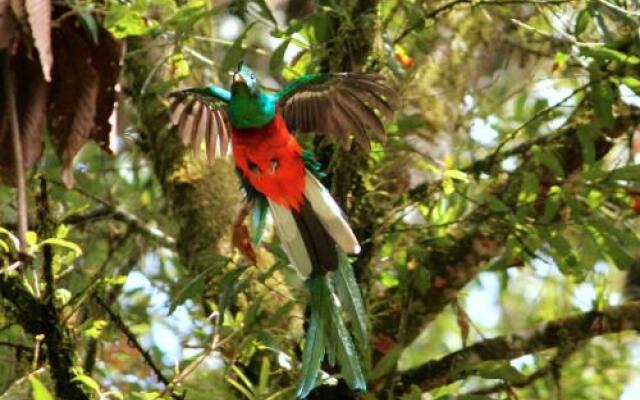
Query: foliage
(503, 203)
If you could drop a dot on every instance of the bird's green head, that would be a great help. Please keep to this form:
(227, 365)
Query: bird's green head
(244, 82)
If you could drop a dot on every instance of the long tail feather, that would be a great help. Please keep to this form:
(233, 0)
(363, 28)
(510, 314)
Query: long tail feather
(316, 238)
(328, 333)
(345, 282)
(314, 348)
(291, 239)
(330, 215)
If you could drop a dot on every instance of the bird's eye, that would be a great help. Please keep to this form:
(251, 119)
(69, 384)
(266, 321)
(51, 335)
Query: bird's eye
(253, 76)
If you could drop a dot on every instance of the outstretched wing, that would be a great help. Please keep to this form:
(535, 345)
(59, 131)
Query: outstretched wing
(339, 105)
(201, 113)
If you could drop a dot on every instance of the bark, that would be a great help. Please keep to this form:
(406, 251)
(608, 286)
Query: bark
(559, 333)
(39, 318)
(202, 199)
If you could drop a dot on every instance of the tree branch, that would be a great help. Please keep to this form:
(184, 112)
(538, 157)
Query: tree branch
(452, 266)
(553, 367)
(133, 340)
(451, 5)
(39, 318)
(558, 333)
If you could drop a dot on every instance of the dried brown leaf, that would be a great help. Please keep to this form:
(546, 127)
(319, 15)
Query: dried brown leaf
(106, 60)
(39, 16)
(31, 105)
(240, 237)
(18, 8)
(7, 24)
(74, 93)
(463, 322)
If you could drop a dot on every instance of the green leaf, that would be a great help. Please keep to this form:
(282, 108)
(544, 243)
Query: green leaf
(496, 205)
(601, 97)
(195, 286)
(265, 371)
(632, 83)
(89, 24)
(231, 285)
(14, 239)
(606, 236)
(562, 252)
(587, 135)
(629, 173)
(389, 280)
(63, 243)
(552, 204)
(88, 382)
(602, 53)
(32, 238)
(126, 23)
(276, 62)
(550, 161)
(415, 393)
(528, 193)
(96, 329)
(265, 11)
(386, 363)
(422, 280)
(4, 246)
(499, 370)
(40, 392)
(582, 22)
(235, 53)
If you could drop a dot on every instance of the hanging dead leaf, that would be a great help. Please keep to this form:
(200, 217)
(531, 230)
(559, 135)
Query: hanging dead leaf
(463, 322)
(106, 60)
(31, 105)
(39, 16)
(18, 9)
(74, 94)
(240, 236)
(7, 24)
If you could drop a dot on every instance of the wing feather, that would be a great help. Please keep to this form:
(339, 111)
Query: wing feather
(200, 114)
(339, 105)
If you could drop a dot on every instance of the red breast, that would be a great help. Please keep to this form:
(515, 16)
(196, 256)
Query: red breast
(271, 160)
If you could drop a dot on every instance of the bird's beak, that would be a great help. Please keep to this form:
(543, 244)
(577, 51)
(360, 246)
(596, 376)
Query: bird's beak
(237, 78)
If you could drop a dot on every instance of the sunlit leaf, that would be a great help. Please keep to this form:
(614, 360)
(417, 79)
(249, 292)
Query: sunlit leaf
(276, 62)
(64, 244)
(236, 52)
(40, 392)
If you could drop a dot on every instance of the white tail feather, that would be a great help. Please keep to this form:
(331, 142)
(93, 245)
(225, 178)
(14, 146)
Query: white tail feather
(330, 215)
(292, 242)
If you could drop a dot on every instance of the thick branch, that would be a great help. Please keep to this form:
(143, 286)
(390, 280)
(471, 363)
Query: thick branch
(559, 333)
(39, 318)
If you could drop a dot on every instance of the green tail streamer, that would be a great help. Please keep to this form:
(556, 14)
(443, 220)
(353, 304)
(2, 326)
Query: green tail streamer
(327, 334)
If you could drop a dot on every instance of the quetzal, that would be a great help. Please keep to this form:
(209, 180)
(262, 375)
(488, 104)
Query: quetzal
(279, 176)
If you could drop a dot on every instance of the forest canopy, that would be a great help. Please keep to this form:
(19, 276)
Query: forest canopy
(498, 219)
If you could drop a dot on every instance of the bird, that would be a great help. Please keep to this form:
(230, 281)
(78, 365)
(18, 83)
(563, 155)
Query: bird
(260, 128)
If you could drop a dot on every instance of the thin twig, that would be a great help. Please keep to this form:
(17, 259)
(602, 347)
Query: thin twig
(133, 340)
(119, 214)
(47, 251)
(451, 5)
(23, 223)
